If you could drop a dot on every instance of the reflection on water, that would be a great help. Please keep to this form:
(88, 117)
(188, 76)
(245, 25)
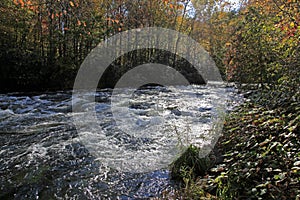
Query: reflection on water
(42, 156)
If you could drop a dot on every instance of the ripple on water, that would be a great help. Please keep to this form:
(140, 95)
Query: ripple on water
(42, 155)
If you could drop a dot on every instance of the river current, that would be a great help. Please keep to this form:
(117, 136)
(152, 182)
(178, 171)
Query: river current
(44, 156)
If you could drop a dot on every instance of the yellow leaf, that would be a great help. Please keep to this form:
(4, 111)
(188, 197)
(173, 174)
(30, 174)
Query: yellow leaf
(71, 4)
(292, 24)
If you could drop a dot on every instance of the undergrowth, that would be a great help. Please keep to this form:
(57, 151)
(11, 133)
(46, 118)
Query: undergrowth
(259, 152)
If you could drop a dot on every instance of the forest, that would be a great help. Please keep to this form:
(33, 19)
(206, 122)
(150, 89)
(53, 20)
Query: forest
(254, 43)
(43, 43)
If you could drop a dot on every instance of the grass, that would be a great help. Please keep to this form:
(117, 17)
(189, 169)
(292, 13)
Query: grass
(190, 164)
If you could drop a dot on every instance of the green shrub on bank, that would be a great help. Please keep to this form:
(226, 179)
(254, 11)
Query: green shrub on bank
(260, 155)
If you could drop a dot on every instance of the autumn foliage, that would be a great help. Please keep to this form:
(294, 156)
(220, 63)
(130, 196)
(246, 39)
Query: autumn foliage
(251, 42)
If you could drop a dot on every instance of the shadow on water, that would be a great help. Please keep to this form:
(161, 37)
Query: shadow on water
(38, 165)
(41, 157)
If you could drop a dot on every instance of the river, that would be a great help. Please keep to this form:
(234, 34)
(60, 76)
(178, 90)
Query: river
(43, 156)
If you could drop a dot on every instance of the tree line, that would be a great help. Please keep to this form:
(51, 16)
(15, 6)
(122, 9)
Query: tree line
(43, 42)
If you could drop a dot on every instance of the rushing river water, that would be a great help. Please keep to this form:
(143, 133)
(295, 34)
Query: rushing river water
(43, 156)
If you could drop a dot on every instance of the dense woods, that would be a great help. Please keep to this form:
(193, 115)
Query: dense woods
(44, 42)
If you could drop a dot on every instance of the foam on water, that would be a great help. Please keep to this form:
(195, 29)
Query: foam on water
(40, 150)
(150, 127)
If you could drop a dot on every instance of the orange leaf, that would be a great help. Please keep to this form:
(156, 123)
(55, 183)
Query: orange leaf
(22, 3)
(180, 7)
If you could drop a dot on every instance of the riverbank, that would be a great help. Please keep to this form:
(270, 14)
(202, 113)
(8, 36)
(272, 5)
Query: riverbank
(258, 156)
